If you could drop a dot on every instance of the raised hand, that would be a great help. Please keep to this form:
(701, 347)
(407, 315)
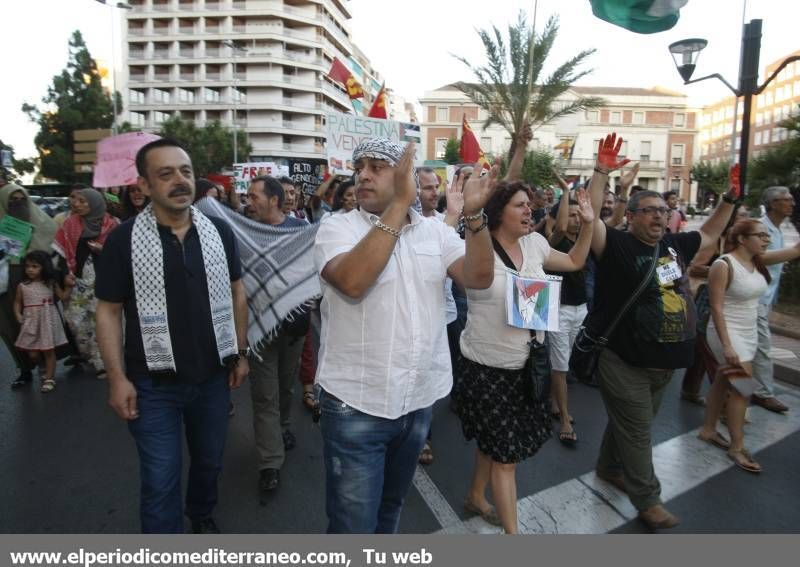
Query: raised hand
(607, 154)
(585, 209)
(479, 188)
(626, 180)
(735, 182)
(455, 196)
(405, 188)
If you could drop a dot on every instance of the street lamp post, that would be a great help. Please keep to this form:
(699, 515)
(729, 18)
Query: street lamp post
(234, 95)
(121, 6)
(686, 52)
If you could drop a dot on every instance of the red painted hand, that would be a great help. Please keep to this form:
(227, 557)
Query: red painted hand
(735, 181)
(607, 153)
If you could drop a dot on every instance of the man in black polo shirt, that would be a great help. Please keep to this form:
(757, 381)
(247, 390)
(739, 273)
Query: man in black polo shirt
(176, 275)
(654, 337)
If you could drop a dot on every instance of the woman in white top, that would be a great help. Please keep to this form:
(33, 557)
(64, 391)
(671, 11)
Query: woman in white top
(736, 282)
(492, 394)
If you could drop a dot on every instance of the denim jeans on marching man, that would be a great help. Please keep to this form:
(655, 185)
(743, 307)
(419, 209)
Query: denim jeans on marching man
(369, 465)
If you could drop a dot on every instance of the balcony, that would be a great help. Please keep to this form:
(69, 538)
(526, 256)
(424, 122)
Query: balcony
(188, 76)
(212, 76)
(213, 52)
(161, 54)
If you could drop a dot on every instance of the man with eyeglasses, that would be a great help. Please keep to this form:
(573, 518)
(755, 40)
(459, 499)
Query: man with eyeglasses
(779, 205)
(655, 337)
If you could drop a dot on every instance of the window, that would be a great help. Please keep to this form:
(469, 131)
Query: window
(486, 144)
(675, 185)
(767, 116)
(137, 97)
(638, 117)
(212, 95)
(137, 118)
(186, 96)
(766, 136)
(616, 117)
(680, 119)
(442, 114)
(644, 151)
(441, 144)
(593, 115)
(677, 154)
(704, 150)
(623, 150)
(757, 139)
(239, 95)
(160, 96)
(159, 117)
(595, 145)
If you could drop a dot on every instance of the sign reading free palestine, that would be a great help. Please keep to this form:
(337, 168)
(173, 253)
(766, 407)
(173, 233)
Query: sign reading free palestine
(345, 131)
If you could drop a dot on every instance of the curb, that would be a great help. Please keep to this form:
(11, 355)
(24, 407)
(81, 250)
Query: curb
(783, 372)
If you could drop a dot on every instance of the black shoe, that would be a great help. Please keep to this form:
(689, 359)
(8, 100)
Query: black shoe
(267, 483)
(289, 440)
(207, 526)
(25, 378)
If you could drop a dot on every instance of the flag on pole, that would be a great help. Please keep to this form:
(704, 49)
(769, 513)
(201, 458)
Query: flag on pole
(470, 148)
(640, 16)
(341, 74)
(378, 109)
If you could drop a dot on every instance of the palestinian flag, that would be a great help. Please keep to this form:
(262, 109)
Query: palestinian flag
(640, 16)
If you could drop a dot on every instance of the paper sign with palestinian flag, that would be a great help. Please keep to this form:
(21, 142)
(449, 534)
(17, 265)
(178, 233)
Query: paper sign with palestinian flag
(640, 16)
(533, 303)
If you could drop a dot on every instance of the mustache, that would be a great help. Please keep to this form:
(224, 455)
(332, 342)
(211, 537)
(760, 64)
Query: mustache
(180, 190)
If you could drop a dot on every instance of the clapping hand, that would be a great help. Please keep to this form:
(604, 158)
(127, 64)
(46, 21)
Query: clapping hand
(405, 188)
(479, 188)
(607, 154)
(455, 196)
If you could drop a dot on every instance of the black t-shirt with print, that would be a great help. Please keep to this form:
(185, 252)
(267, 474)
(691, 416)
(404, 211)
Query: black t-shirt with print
(573, 284)
(659, 329)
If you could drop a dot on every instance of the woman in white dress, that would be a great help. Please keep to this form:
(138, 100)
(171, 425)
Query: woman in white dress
(736, 282)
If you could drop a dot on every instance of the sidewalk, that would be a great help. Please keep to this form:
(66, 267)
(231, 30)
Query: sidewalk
(785, 347)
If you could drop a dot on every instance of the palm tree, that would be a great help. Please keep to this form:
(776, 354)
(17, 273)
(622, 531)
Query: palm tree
(511, 88)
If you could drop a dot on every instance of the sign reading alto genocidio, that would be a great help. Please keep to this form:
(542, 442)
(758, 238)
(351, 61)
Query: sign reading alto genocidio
(243, 173)
(346, 131)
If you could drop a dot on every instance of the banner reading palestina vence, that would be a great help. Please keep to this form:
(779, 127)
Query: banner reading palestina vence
(243, 173)
(346, 131)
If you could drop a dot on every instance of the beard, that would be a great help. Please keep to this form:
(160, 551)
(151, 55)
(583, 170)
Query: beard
(20, 210)
(606, 212)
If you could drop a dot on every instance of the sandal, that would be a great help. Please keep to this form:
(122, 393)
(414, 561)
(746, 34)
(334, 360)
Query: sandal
(695, 399)
(568, 438)
(101, 374)
(556, 416)
(490, 515)
(744, 461)
(48, 385)
(426, 456)
(717, 439)
(310, 401)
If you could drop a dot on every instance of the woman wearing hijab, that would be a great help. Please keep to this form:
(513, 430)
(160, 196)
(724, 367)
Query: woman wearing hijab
(15, 202)
(79, 242)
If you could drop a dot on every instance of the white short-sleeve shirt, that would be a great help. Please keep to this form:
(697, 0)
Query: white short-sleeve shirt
(381, 354)
(488, 339)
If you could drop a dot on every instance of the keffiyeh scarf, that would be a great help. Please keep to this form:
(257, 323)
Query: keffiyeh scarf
(151, 300)
(277, 269)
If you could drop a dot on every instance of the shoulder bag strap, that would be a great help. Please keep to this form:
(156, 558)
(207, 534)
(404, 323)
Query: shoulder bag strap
(633, 297)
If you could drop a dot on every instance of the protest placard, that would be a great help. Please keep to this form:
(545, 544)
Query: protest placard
(346, 131)
(243, 173)
(15, 235)
(116, 159)
(307, 174)
(533, 303)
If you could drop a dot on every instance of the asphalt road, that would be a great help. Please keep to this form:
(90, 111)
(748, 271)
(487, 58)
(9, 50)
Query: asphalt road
(70, 466)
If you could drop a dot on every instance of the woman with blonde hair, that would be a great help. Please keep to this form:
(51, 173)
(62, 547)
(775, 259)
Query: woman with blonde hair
(736, 281)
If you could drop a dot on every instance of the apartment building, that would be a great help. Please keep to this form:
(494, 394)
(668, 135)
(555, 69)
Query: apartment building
(778, 102)
(260, 62)
(657, 125)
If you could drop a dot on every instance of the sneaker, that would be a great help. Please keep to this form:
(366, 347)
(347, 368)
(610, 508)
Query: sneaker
(771, 404)
(25, 378)
(207, 526)
(658, 518)
(289, 440)
(268, 480)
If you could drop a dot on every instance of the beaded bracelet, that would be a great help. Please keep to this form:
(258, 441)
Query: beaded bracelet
(601, 171)
(477, 216)
(386, 228)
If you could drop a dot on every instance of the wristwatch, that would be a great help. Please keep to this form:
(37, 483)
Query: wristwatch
(730, 200)
(245, 352)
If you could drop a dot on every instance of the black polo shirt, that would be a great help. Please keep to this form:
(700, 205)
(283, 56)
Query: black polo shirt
(188, 308)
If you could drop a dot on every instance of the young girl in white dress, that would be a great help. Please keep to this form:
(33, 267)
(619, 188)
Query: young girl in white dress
(736, 282)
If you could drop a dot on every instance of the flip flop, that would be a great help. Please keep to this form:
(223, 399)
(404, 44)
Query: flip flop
(426, 456)
(556, 416)
(718, 440)
(568, 438)
(744, 461)
(490, 516)
(48, 385)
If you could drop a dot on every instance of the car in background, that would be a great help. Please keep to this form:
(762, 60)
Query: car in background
(51, 205)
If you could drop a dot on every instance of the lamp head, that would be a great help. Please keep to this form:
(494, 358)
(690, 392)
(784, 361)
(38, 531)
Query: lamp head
(685, 54)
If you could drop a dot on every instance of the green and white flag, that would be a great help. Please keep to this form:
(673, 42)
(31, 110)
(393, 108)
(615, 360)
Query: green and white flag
(640, 16)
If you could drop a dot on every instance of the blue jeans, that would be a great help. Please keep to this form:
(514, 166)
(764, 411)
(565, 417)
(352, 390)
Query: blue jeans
(203, 410)
(369, 465)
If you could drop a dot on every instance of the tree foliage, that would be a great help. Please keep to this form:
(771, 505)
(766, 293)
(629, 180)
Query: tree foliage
(512, 87)
(537, 168)
(74, 101)
(780, 165)
(18, 166)
(210, 147)
(711, 178)
(452, 151)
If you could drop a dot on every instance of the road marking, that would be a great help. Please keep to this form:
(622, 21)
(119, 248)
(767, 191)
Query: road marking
(587, 505)
(445, 515)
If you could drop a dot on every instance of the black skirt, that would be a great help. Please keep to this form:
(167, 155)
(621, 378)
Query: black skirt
(497, 410)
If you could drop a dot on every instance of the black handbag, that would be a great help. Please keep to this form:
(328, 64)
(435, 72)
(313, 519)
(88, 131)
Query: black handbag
(586, 349)
(537, 367)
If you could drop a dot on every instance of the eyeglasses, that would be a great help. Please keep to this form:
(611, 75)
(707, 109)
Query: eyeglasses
(761, 235)
(651, 210)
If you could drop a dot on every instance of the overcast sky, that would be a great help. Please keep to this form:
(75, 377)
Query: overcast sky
(410, 41)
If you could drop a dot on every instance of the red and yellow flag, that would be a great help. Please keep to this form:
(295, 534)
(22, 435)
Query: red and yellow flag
(341, 74)
(470, 148)
(378, 109)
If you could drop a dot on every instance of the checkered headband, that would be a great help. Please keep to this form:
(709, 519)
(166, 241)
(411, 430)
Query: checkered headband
(379, 148)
